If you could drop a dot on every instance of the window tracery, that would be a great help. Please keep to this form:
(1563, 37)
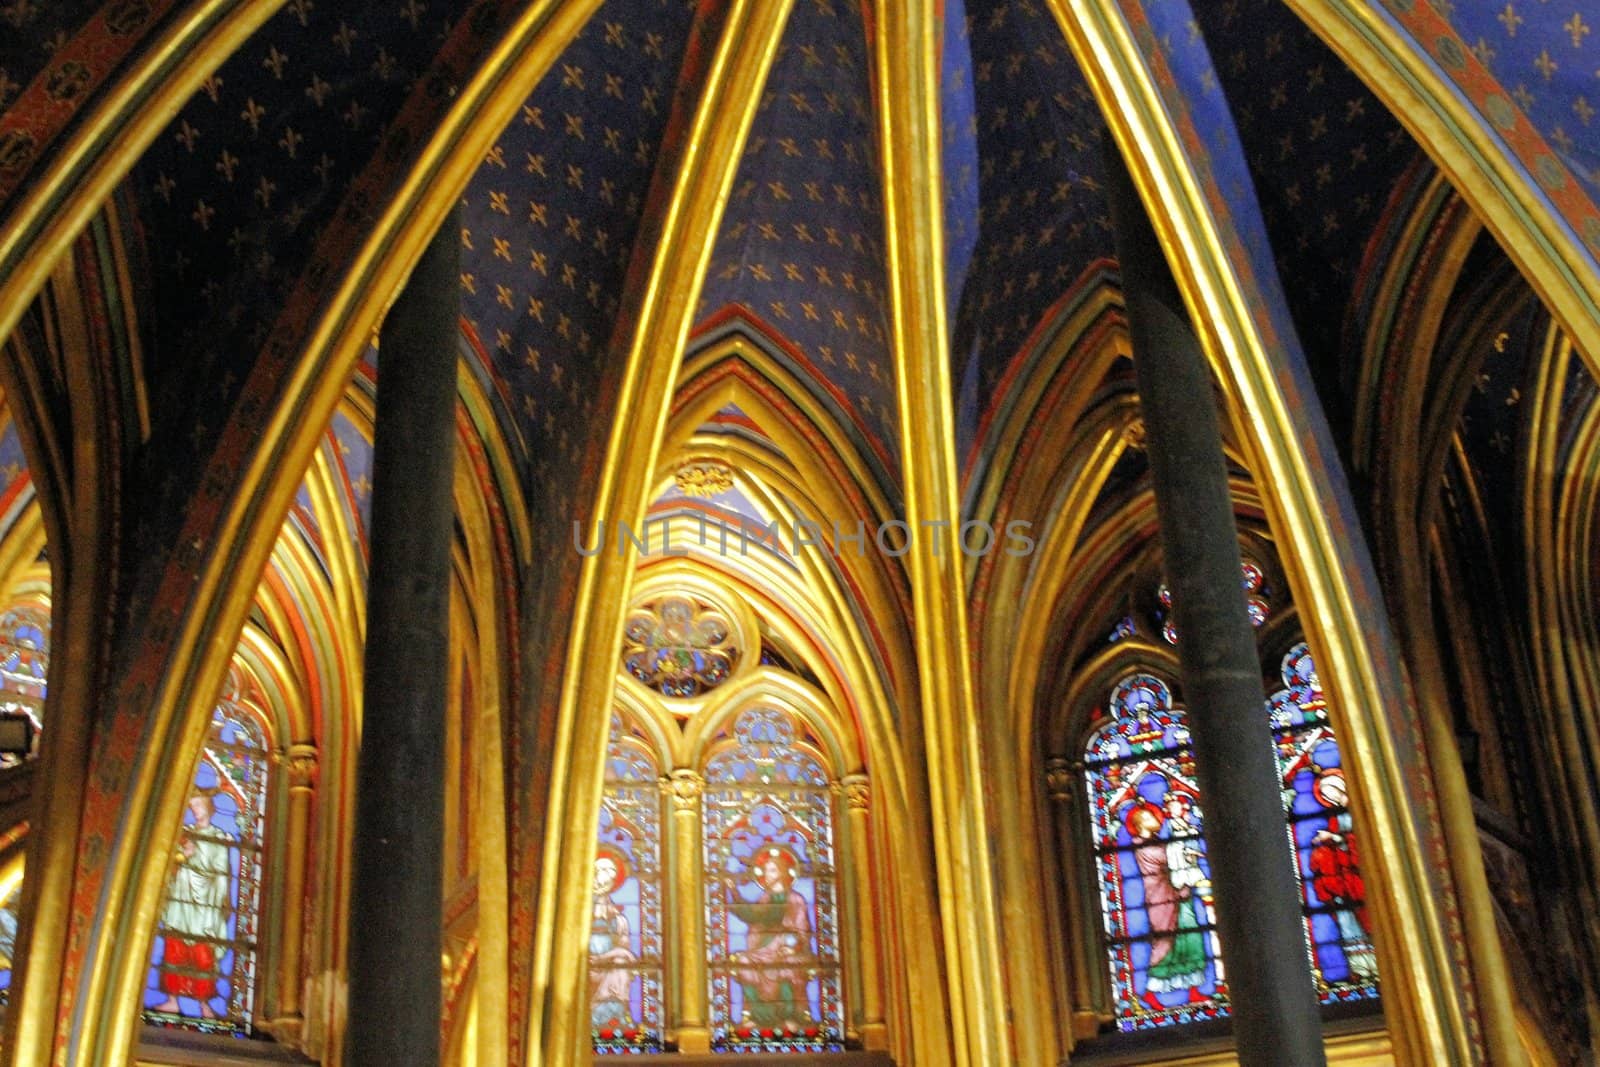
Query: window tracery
(718, 894)
(679, 645)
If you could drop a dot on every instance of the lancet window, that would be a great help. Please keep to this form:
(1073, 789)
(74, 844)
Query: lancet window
(771, 913)
(718, 906)
(625, 937)
(1167, 964)
(203, 962)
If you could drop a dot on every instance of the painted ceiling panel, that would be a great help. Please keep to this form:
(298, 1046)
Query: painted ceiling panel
(235, 194)
(1042, 219)
(801, 245)
(1546, 54)
(233, 190)
(31, 33)
(550, 219)
(1323, 154)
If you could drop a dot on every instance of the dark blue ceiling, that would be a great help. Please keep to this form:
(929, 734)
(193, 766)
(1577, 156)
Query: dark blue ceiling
(234, 196)
(801, 244)
(1546, 54)
(549, 225)
(1041, 217)
(1323, 155)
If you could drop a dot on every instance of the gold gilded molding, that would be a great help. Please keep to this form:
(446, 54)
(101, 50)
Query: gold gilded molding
(109, 989)
(906, 54)
(87, 166)
(1429, 1013)
(1456, 137)
(662, 311)
(702, 479)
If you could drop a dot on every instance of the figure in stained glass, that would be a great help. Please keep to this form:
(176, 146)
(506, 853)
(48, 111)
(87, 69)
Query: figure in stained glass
(1155, 884)
(771, 891)
(199, 905)
(625, 933)
(203, 962)
(610, 958)
(1315, 797)
(775, 965)
(1177, 960)
(1336, 876)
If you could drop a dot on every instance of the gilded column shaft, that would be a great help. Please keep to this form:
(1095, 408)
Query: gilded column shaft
(685, 788)
(301, 762)
(1060, 778)
(868, 971)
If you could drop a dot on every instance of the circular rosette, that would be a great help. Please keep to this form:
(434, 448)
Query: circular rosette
(678, 645)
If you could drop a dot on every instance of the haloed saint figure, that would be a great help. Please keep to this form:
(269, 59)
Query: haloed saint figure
(194, 922)
(1170, 870)
(777, 960)
(611, 957)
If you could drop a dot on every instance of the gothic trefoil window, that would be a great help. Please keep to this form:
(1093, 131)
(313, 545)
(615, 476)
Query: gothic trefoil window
(717, 911)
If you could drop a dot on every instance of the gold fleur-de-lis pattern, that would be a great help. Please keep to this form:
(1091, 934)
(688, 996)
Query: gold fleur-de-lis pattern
(1042, 220)
(1546, 55)
(801, 244)
(1323, 154)
(234, 192)
(548, 227)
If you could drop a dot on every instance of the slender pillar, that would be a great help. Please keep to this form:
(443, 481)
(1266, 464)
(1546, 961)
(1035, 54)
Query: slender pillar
(1063, 780)
(868, 1013)
(301, 762)
(693, 1032)
(1275, 1016)
(395, 898)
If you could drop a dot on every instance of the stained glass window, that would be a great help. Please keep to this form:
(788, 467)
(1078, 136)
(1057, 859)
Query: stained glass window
(24, 662)
(1155, 881)
(1255, 600)
(203, 963)
(771, 911)
(1316, 797)
(10, 900)
(625, 943)
(1155, 887)
(679, 646)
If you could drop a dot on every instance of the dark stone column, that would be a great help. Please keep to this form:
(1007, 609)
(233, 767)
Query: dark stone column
(1275, 1016)
(395, 899)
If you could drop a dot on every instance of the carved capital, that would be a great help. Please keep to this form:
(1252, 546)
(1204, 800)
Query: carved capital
(1133, 434)
(685, 788)
(1060, 776)
(857, 791)
(301, 761)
